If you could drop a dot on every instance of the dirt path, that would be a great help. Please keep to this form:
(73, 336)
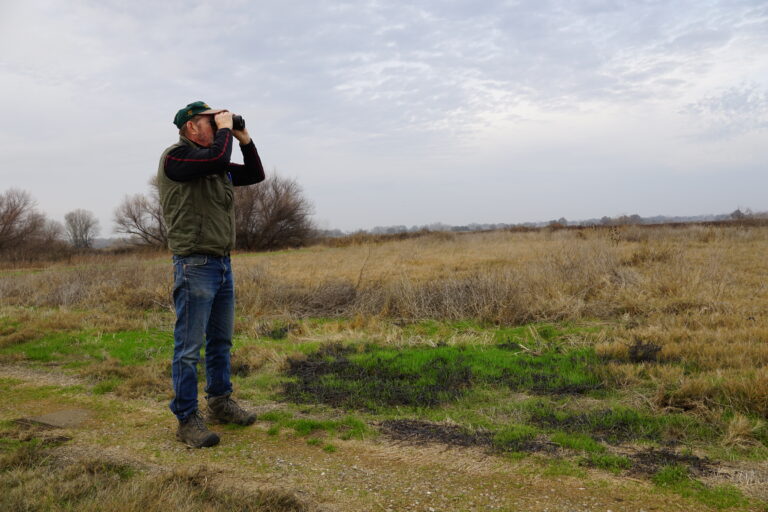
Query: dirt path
(369, 475)
(40, 376)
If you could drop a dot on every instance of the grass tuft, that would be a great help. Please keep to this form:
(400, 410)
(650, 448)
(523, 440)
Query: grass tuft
(578, 442)
(607, 461)
(514, 438)
(347, 427)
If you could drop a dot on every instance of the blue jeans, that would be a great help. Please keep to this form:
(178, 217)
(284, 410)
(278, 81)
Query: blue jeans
(204, 296)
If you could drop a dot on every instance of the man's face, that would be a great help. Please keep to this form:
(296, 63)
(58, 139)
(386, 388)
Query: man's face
(202, 132)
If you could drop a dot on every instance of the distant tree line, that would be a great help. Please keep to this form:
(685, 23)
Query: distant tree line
(620, 220)
(273, 215)
(25, 232)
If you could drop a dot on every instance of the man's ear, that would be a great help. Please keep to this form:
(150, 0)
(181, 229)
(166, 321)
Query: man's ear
(191, 129)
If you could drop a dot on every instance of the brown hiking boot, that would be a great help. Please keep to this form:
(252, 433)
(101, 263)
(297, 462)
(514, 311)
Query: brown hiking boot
(194, 433)
(222, 409)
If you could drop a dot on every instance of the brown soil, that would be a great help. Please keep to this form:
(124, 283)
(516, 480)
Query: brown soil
(651, 460)
(417, 431)
(421, 432)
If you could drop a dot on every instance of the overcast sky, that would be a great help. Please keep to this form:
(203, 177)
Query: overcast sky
(392, 112)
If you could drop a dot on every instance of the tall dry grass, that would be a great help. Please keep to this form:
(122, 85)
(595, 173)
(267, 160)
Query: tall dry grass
(498, 277)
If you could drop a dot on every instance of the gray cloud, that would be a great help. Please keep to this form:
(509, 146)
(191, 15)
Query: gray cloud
(735, 111)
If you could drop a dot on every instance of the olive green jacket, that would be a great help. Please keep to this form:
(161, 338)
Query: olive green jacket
(200, 213)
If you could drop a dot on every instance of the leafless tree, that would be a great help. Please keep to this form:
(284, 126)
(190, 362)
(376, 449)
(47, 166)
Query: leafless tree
(81, 227)
(141, 217)
(19, 220)
(272, 215)
(52, 232)
(25, 233)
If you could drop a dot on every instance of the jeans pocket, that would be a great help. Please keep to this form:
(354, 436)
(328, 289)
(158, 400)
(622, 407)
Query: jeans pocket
(194, 260)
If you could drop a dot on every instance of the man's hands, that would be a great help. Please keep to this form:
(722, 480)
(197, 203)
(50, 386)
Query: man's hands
(224, 120)
(242, 136)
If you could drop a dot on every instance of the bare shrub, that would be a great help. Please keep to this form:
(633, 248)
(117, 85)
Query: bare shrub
(141, 218)
(273, 215)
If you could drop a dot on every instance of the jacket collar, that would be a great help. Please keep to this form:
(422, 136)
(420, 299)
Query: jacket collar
(184, 140)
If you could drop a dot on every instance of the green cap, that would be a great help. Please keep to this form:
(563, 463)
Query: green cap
(193, 109)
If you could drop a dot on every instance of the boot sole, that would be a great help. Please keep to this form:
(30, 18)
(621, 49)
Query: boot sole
(210, 440)
(214, 421)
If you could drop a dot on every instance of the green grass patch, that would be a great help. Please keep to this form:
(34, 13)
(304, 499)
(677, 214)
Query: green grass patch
(578, 442)
(738, 453)
(670, 476)
(107, 385)
(304, 427)
(514, 438)
(528, 335)
(607, 461)
(676, 478)
(616, 424)
(7, 383)
(128, 347)
(348, 427)
(436, 329)
(275, 416)
(24, 455)
(541, 334)
(8, 324)
(9, 444)
(430, 376)
(562, 467)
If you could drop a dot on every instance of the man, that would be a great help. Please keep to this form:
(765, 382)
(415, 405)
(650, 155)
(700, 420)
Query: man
(196, 181)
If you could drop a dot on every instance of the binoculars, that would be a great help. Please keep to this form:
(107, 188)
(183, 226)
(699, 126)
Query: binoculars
(238, 123)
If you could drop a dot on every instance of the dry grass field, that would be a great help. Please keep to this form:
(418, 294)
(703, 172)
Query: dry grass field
(589, 369)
